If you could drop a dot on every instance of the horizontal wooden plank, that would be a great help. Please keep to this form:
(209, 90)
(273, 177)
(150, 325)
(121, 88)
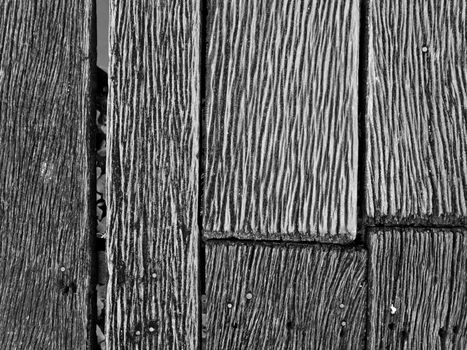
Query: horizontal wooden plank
(152, 166)
(418, 290)
(45, 169)
(280, 128)
(285, 297)
(416, 123)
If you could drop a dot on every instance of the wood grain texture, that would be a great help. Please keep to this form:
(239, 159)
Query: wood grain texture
(280, 133)
(45, 172)
(418, 291)
(285, 297)
(417, 116)
(153, 133)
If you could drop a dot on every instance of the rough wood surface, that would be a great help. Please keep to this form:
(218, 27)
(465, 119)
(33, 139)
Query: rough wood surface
(280, 130)
(418, 291)
(285, 297)
(45, 159)
(417, 116)
(153, 133)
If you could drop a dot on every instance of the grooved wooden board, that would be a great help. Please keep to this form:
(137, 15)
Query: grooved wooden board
(418, 291)
(417, 116)
(153, 137)
(280, 126)
(45, 170)
(285, 297)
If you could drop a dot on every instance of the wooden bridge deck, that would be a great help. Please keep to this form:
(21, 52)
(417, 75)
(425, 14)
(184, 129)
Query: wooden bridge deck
(280, 175)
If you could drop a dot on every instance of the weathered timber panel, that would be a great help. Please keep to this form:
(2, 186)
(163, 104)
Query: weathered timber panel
(417, 116)
(280, 126)
(153, 175)
(285, 297)
(45, 170)
(418, 291)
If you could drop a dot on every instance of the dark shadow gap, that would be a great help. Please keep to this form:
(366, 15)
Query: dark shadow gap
(362, 235)
(362, 112)
(415, 226)
(99, 124)
(91, 182)
(202, 98)
(287, 243)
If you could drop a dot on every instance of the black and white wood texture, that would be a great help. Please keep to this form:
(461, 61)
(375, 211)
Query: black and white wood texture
(285, 297)
(280, 120)
(416, 124)
(418, 289)
(45, 173)
(153, 135)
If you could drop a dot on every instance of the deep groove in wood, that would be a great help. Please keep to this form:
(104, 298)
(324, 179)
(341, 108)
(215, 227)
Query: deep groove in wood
(415, 226)
(232, 240)
(202, 98)
(91, 181)
(362, 111)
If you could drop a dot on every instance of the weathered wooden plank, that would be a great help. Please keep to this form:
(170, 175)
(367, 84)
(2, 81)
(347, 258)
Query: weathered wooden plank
(152, 169)
(45, 173)
(418, 291)
(417, 118)
(280, 133)
(285, 297)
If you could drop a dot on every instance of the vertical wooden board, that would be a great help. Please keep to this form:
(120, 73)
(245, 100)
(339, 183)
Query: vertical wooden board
(418, 291)
(45, 169)
(285, 297)
(416, 124)
(280, 127)
(153, 175)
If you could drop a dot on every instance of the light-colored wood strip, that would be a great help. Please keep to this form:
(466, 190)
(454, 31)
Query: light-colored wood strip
(418, 292)
(280, 125)
(152, 166)
(45, 169)
(285, 297)
(417, 116)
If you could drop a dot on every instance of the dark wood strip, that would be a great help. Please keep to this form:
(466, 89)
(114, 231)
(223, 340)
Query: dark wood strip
(280, 125)
(45, 173)
(285, 297)
(152, 167)
(417, 117)
(418, 291)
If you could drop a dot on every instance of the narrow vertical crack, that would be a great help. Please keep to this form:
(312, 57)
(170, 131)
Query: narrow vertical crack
(362, 112)
(91, 179)
(201, 251)
(99, 124)
(100, 203)
(362, 234)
